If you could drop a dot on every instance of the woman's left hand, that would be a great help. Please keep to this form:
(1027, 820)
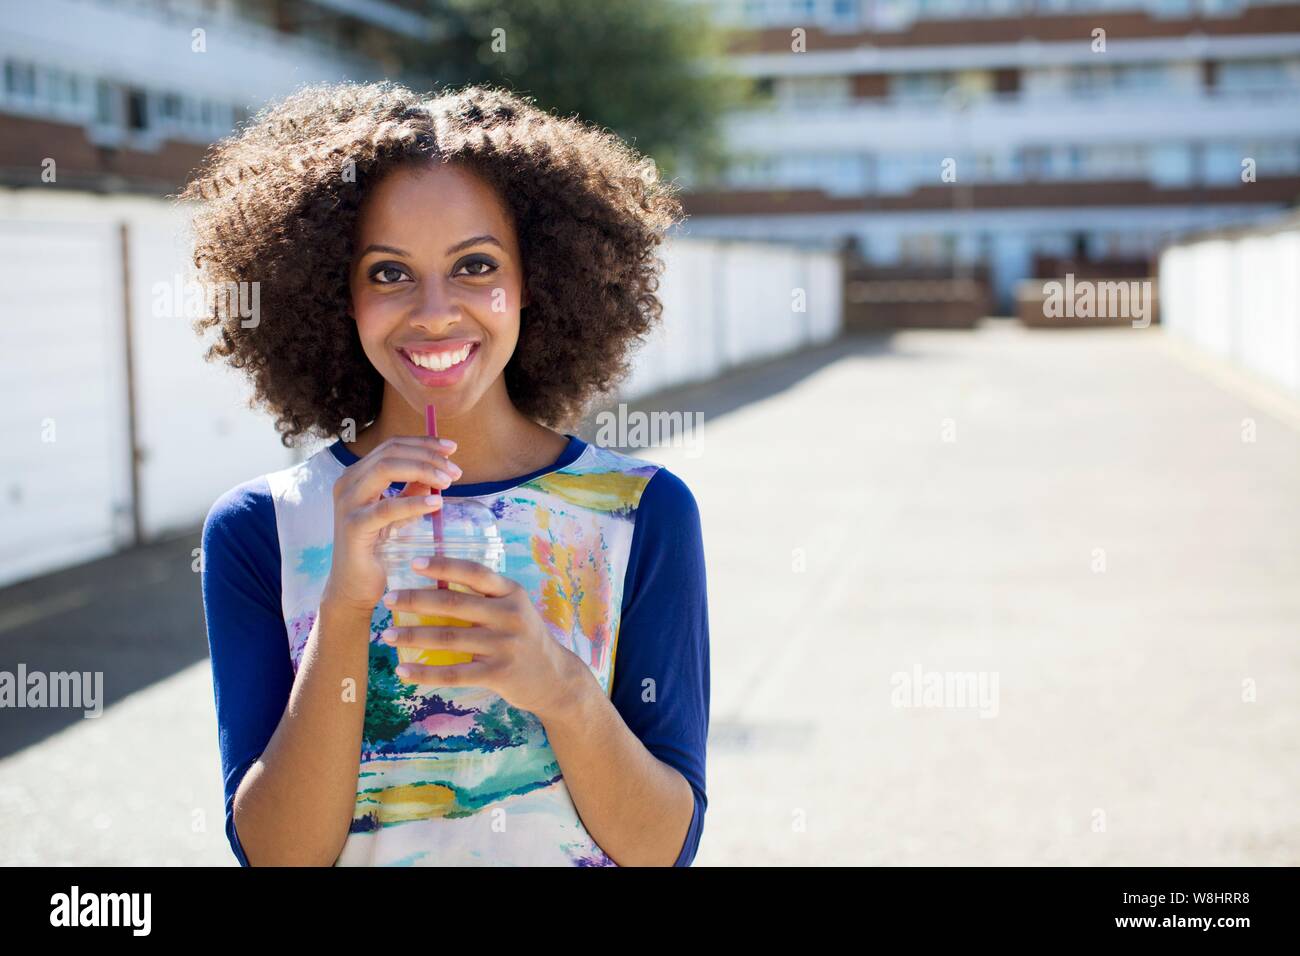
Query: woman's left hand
(514, 652)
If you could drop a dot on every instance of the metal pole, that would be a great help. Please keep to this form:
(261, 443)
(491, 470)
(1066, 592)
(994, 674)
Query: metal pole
(133, 448)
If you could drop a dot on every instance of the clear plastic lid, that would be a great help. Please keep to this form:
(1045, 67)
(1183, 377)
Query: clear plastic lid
(468, 528)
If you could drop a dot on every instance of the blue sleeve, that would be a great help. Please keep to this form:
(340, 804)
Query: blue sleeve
(664, 637)
(251, 671)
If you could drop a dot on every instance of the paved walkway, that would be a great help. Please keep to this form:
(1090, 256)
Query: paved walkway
(1073, 518)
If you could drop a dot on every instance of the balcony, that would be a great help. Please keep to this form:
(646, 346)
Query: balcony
(1004, 121)
(238, 61)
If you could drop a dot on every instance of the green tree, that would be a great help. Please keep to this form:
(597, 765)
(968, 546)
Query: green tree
(388, 700)
(652, 71)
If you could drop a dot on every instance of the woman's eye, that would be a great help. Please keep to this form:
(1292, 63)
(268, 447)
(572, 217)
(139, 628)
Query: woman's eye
(476, 267)
(387, 275)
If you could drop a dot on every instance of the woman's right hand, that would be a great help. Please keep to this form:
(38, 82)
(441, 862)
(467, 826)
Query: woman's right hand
(361, 512)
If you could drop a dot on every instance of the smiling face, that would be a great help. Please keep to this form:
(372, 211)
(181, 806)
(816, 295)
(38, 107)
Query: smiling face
(436, 287)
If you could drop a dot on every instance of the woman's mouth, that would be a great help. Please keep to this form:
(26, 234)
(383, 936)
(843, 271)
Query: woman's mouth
(439, 363)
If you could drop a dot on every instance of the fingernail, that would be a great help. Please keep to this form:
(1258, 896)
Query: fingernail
(390, 598)
(446, 443)
(443, 475)
(420, 563)
(388, 635)
(455, 469)
(433, 500)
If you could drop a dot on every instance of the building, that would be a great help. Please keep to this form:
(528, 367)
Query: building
(1014, 136)
(126, 96)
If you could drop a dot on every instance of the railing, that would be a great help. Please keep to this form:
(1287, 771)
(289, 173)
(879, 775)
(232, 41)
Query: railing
(900, 16)
(249, 35)
(899, 105)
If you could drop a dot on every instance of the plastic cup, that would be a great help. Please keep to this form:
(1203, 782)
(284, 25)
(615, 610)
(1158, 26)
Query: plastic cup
(469, 532)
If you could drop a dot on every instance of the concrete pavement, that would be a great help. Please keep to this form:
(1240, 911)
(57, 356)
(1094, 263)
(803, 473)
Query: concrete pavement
(1096, 535)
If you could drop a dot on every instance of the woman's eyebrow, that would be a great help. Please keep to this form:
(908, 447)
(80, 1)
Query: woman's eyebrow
(474, 241)
(394, 251)
(391, 250)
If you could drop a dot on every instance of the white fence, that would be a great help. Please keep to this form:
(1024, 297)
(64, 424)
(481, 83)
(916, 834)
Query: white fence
(69, 491)
(728, 303)
(66, 486)
(1237, 294)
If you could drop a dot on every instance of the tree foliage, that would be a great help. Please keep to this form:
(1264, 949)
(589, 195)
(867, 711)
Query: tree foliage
(652, 71)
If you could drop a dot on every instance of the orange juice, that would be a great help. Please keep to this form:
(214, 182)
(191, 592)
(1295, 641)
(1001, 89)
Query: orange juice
(466, 529)
(425, 655)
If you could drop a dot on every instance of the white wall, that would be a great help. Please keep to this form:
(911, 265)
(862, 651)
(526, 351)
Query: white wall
(196, 436)
(64, 481)
(727, 303)
(1238, 296)
(63, 360)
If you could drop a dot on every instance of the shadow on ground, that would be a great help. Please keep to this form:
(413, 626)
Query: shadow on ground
(746, 384)
(136, 616)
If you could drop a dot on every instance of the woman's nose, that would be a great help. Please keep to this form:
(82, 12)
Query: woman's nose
(437, 307)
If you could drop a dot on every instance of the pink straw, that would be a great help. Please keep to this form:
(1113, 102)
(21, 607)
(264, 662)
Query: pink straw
(435, 517)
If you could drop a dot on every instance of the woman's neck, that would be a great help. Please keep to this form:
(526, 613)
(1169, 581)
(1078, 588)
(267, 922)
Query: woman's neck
(494, 440)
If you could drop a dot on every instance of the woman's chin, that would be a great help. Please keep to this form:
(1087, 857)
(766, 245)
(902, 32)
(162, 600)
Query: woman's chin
(450, 402)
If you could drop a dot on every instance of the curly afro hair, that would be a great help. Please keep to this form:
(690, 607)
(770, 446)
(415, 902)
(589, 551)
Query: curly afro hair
(278, 204)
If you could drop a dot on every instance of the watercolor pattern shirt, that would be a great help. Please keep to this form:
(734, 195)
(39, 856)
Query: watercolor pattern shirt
(609, 549)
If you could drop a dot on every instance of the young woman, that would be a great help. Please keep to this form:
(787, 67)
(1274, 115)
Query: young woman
(470, 251)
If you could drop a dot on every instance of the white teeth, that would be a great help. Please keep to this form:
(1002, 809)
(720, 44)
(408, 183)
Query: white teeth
(441, 361)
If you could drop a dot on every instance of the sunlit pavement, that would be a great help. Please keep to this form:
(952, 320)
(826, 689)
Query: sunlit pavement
(1078, 519)
(1120, 735)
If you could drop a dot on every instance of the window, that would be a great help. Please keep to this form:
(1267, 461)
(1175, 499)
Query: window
(1223, 160)
(920, 86)
(813, 91)
(56, 87)
(1258, 75)
(137, 110)
(1220, 7)
(752, 172)
(1278, 157)
(904, 172)
(928, 248)
(20, 80)
(169, 107)
(844, 9)
(1104, 78)
(1033, 163)
(1056, 244)
(113, 108)
(793, 12)
(1113, 162)
(106, 97)
(1172, 164)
